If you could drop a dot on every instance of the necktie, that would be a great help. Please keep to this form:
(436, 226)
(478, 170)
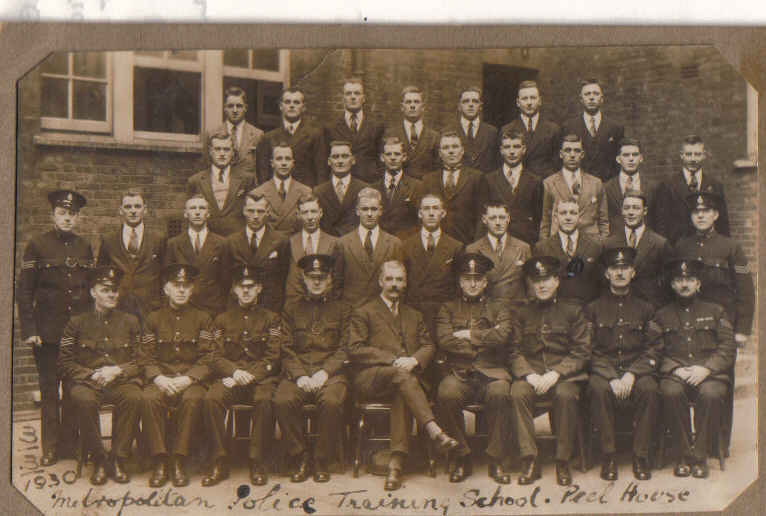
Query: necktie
(368, 243)
(500, 248)
(632, 238)
(576, 187)
(354, 122)
(430, 244)
(234, 139)
(391, 187)
(592, 127)
(471, 130)
(449, 185)
(413, 135)
(340, 190)
(282, 192)
(290, 129)
(133, 241)
(530, 125)
(629, 183)
(197, 243)
(693, 183)
(570, 245)
(254, 244)
(395, 308)
(309, 247)
(220, 175)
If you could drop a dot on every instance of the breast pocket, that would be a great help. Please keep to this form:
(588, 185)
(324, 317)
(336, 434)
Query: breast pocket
(165, 351)
(705, 333)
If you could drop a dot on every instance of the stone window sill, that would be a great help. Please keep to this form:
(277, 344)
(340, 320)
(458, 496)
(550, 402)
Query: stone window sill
(744, 164)
(90, 141)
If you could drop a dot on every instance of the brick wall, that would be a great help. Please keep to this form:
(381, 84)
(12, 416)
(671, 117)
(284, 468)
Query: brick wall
(644, 87)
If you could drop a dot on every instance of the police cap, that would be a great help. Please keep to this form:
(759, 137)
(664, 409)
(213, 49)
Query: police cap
(241, 273)
(106, 275)
(316, 263)
(67, 199)
(619, 256)
(542, 267)
(683, 267)
(180, 272)
(703, 200)
(474, 264)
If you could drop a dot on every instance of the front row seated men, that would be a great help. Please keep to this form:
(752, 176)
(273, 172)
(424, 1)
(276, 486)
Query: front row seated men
(390, 346)
(473, 334)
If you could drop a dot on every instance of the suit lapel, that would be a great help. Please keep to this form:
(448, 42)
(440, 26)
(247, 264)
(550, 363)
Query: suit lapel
(207, 192)
(296, 246)
(234, 183)
(612, 188)
(561, 185)
(381, 249)
(324, 246)
(357, 251)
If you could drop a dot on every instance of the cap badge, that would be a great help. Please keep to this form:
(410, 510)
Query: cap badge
(684, 267)
(472, 265)
(316, 264)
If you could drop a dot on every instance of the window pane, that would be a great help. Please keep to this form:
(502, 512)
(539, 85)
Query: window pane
(271, 91)
(266, 59)
(89, 102)
(186, 55)
(235, 57)
(167, 101)
(54, 98)
(90, 64)
(56, 63)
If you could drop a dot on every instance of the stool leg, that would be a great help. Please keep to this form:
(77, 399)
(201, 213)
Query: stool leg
(358, 452)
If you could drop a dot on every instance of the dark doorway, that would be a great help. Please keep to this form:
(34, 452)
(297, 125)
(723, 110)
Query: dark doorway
(501, 84)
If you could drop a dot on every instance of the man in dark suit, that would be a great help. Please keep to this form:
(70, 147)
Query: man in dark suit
(138, 252)
(430, 256)
(473, 333)
(263, 248)
(600, 135)
(223, 185)
(541, 135)
(244, 135)
(423, 142)
(479, 138)
(577, 254)
(337, 197)
(462, 189)
(398, 189)
(389, 345)
(206, 251)
(652, 250)
(517, 188)
(629, 159)
(305, 137)
(357, 126)
(365, 249)
(673, 215)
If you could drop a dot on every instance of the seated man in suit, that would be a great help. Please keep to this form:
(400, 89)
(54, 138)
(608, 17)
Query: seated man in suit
(517, 188)
(473, 333)
(248, 343)
(312, 364)
(600, 135)
(624, 364)
(304, 136)
(652, 249)
(399, 190)
(479, 137)
(572, 181)
(430, 256)
(311, 240)
(389, 346)
(177, 343)
(698, 351)
(462, 188)
(541, 135)
(578, 255)
(507, 253)
(629, 158)
(204, 250)
(244, 135)
(549, 361)
(337, 197)
(423, 141)
(138, 252)
(358, 127)
(673, 214)
(282, 190)
(365, 249)
(223, 185)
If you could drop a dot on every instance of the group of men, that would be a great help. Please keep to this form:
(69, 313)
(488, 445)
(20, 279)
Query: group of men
(401, 265)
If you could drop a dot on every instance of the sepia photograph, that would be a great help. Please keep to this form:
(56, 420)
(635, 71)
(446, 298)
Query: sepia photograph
(447, 281)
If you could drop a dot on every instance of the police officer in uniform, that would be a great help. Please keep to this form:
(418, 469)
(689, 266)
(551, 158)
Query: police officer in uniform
(177, 343)
(473, 333)
(312, 366)
(698, 350)
(99, 357)
(551, 352)
(53, 286)
(624, 363)
(248, 342)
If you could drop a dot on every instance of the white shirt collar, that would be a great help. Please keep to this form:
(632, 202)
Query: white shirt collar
(424, 236)
(570, 177)
(564, 238)
(534, 119)
(258, 234)
(239, 128)
(389, 304)
(494, 242)
(127, 230)
(287, 182)
(688, 176)
(418, 127)
(344, 180)
(623, 179)
(465, 122)
(314, 239)
(395, 176)
(214, 172)
(193, 234)
(639, 232)
(294, 125)
(512, 174)
(359, 117)
(362, 231)
(597, 117)
(456, 172)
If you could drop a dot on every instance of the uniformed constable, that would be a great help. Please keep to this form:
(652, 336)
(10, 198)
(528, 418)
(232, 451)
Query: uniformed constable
(53, 286)
(698, 350)
(248, 342)
(473, 332)
(624, 363)
(725, 274)
(99, 357)
(177, 344)
(312, 366)
(551, 352)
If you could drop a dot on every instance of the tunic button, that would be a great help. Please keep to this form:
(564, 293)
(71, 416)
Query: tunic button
(691, 355)
(106, 339)
(245, 317)
(69, 308)
(68, 275)
(106, 354)
(246, 350)
(689, 339)
(178, 317)
(69, 291)
(620, 319)
(178, 349)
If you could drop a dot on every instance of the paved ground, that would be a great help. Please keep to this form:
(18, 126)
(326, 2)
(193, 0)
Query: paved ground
(54, 490)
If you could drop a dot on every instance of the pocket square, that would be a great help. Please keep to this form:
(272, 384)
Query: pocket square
(273, 254)
(593, 200)
(449, 261)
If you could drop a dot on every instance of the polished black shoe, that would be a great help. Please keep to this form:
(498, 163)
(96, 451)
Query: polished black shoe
(99, 476)
(258, 474)
(321, 471)
(641, 468)
(530, 471)
(445, 442)
(49, 458)
(700, 470)
(178, 473)
(682, 468)
(303, 471)
(393, 480)
(121, 475)
(563, 476)
(219, 473)
(463, 469)
(160, 474)
(609, 468)
(498, 473)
